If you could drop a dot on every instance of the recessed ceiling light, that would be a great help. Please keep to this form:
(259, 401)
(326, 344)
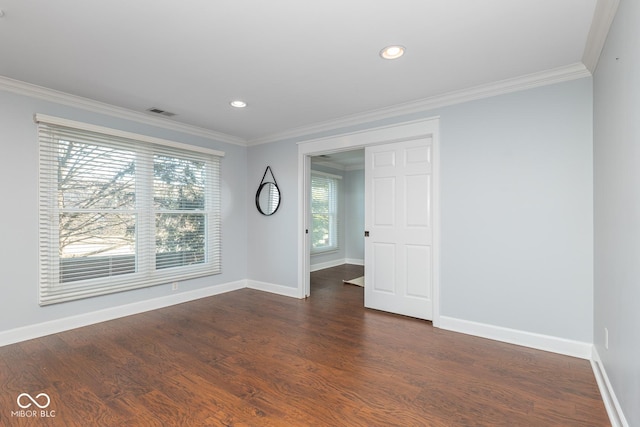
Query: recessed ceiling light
(392, 52)
(238, 104)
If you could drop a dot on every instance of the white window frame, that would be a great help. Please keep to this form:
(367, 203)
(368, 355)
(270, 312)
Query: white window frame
(51, 288)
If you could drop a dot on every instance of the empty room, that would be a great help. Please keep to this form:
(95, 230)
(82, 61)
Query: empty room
(321, 213)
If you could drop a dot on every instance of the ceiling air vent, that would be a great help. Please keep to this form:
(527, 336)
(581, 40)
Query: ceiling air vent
(161, 112)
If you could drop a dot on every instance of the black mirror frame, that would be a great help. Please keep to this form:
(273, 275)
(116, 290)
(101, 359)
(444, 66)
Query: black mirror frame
(263, 183)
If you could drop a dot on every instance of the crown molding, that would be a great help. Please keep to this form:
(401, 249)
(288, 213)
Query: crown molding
(529, 81)
(46, 94)
(603, 16)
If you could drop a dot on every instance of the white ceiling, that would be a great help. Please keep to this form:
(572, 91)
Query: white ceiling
(297, 63)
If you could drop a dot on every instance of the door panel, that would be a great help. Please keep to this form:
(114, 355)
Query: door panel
(398, 216)
(384, 201)
(383, 280)
(418, 277)
(417, 207)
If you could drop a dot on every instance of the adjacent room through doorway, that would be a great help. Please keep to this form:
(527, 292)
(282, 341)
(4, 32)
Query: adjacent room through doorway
(399, 193)
(337, 212)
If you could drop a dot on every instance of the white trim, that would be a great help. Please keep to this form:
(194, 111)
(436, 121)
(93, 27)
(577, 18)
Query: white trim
(327, 264)
(611, 403)
(550, 343)
(335, 263)
(603, 16)
(43, 118)
(286, 291)
(363, 138)
(304, 224)
(436, 243)
(46, 94)
(529, 81)
(64, 324)
(379, 135)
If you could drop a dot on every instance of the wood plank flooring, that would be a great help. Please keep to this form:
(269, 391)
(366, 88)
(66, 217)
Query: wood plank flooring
(249, 358)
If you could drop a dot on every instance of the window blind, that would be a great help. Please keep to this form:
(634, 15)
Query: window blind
(324, 212)
(121, 211)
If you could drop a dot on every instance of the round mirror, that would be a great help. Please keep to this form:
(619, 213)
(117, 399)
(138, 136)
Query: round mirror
(268, 198)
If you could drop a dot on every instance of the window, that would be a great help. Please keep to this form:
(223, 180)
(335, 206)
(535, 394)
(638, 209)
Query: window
(120, 211)
(324, 212)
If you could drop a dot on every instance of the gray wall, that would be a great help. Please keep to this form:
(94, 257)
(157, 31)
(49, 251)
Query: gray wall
(19, 218)
(354, 214)
(517, 210)
(617, 207)
(273, 243)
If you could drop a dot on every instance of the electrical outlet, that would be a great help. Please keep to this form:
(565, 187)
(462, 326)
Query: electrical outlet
(606, 338)
(174, 286)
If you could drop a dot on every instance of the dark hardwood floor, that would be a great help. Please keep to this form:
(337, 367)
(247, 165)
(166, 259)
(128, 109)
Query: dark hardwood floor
(248, 358)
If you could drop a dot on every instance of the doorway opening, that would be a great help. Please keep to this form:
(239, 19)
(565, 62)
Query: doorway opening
(337, 212)
(409, 131)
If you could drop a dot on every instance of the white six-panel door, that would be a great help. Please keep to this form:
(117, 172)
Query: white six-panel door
(399, 224)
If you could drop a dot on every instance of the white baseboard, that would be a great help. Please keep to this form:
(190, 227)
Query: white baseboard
(59, 325)
(614, 410)
(274, 289)
(328, 264)
(335, 263)
(564, 346)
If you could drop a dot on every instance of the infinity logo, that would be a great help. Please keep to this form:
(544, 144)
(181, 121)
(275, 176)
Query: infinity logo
(34, 401)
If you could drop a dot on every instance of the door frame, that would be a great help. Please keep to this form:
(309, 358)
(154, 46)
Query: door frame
(349, 141)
